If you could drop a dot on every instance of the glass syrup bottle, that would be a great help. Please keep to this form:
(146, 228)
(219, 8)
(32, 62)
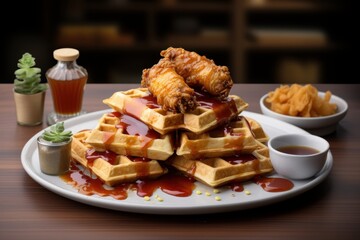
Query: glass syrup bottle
(67, 82)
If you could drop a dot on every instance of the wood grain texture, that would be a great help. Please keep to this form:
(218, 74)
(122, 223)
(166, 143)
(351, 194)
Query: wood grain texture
(328, 211)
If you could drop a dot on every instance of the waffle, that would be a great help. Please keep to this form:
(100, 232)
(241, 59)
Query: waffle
(122, 170)
(111, 135)
(142, 105)
(257, 130)
(226, 140)
(218, 171)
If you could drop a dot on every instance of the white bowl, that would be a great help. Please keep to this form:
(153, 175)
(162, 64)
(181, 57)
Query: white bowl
(296, 166)
(320, 126)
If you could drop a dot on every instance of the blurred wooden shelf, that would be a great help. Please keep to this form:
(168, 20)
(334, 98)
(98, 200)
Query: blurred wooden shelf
(289, 5)
(218, 42)
(148, 6)
(216, 28)
(300, 46)
(287, 39)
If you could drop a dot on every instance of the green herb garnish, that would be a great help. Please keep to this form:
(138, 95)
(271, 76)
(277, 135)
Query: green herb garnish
(57, 134)
(28, 77)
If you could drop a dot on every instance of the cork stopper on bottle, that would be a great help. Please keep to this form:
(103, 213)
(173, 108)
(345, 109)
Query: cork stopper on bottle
(66, 54)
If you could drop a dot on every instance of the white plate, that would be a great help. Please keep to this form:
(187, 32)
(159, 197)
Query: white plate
(194, 204)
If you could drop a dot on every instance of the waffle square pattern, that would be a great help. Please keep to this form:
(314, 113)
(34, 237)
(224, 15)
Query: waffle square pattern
(137, 139)
(112, 168)
(209, 114)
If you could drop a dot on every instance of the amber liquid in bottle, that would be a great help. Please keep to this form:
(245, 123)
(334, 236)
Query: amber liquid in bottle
(67, 82)
(67, 94)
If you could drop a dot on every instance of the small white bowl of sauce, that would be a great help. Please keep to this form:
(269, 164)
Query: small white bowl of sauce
(298, 156)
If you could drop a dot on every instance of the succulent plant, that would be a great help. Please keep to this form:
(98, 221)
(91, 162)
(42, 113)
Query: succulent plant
(28, 77)
(57, 133)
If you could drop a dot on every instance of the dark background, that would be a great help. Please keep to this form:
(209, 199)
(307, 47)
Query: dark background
(117, 39)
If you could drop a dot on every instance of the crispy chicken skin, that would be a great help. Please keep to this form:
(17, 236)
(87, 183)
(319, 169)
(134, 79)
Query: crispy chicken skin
(200, 72)
(169, 88)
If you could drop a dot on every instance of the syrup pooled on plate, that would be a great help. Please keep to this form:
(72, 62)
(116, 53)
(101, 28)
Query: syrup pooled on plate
(271, 184)
(171, 183)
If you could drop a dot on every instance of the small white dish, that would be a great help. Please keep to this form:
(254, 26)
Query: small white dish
(320, 126)
(310, 158)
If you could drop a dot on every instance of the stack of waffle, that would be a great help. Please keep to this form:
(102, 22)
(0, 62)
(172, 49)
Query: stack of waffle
(214, 144)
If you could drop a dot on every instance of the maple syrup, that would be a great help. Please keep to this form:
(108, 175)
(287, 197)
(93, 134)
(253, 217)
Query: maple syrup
(172, 183)
(223, 109)
(67, 81)
(273, 184)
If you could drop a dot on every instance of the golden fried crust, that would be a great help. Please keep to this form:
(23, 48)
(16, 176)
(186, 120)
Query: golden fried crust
(200, 72)
(169, 88)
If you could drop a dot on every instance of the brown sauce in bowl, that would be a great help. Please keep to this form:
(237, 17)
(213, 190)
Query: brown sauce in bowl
(298, 150)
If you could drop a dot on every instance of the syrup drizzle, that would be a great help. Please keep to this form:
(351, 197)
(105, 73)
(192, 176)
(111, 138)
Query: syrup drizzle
(150, 101)
(222, 109)
(236, 142)
(171, 183)
(240, 158)
(248, 124)
(137, 105)
(226, 129)
(132, 127)
(91, 155)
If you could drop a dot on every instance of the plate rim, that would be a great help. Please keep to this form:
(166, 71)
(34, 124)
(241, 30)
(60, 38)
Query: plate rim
(121, 205)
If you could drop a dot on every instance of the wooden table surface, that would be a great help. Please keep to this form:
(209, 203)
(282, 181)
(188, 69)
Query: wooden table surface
(329, 211)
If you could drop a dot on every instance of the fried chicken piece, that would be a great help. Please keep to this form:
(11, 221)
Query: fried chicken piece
(200, 72)
(169, 88)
